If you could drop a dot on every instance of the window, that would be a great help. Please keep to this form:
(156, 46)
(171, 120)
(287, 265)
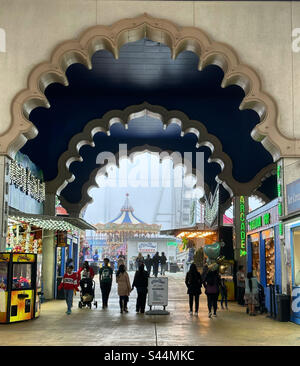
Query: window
(3, 276)
(255, 259)
(270, 260)
(21, 276)
(296, 245)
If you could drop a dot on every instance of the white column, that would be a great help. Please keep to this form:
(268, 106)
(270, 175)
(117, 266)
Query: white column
(4, 200)
(48, 263)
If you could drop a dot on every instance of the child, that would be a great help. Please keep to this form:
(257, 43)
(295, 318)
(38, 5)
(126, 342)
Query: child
(223, 289)
(70, 285)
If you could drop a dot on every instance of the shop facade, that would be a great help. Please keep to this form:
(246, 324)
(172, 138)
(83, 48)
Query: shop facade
(263, 250)
(292, 246)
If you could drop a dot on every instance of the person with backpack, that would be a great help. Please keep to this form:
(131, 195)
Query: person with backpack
(70, 285)
(163, 264)
(193, 283)
(140, 281)
(212, 284)
(124, 287)
(148, 263)
(105, 278)
(155, 263)
(251, 293)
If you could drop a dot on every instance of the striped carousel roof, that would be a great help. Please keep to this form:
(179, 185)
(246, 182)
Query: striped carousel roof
(126, 221)
(126, 215)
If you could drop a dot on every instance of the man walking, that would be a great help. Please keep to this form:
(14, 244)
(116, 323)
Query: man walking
(155, 263)
(240, 276)
(105, 278)
(163, 264)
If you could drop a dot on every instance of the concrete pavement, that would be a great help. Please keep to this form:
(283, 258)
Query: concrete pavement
(98, 327)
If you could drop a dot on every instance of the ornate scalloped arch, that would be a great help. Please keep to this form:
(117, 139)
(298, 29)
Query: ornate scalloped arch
(178, 39)
(167, 117)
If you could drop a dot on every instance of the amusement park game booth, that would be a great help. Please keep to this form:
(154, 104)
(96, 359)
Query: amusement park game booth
(20, 286)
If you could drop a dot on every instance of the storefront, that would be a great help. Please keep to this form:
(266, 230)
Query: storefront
(263, 249)
(292, 245)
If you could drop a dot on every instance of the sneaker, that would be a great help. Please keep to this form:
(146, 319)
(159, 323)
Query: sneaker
(209, 315)
(68, 312)
(215, 315)
(196, 313)
(190, 312)
(121, 311)
(126, 310)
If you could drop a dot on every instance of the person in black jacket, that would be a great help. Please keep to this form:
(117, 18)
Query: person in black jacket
(193, 282)
(155, 263)
(140, 281)
(163, 263)
(148, 263)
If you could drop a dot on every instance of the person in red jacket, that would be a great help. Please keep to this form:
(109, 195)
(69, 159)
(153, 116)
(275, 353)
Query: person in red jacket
(86, 271)
(70, 285)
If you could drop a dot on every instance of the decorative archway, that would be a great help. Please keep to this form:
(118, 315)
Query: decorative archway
(85, 137)
(178, 39)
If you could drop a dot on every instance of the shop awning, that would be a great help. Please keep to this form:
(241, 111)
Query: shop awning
(51, 222)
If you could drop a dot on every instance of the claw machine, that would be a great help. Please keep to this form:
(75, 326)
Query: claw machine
(19, 294)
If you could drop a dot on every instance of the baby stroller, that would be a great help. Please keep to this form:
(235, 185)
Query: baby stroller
(87, 293)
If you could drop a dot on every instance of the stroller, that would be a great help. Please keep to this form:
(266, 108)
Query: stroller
(87, 293)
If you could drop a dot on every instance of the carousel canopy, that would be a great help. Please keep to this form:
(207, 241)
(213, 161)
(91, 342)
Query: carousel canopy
(126, 221)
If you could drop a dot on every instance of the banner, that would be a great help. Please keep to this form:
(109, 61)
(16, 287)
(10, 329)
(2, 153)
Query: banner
(147, 247)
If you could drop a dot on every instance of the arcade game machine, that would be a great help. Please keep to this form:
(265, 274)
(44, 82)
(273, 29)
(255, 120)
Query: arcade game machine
(19, 295)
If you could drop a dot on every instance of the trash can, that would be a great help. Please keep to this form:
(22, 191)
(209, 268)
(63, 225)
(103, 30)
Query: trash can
(173, 267)
(283, 307)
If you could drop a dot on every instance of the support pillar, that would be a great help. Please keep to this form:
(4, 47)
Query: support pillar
(48, 264)
(4, 200)
(240, 210)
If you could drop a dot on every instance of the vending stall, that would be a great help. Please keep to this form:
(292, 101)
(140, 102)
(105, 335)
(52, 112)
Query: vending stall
(20, 287)
(263, 249)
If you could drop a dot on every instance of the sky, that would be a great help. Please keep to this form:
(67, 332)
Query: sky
(149, 187)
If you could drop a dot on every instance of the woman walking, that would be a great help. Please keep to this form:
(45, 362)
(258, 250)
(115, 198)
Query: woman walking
(251, 293)
(141, 283)
(124, 287)
(193, 282)
(212, 284)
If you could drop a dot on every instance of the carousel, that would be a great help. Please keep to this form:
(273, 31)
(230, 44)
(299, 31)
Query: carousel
(124, 227)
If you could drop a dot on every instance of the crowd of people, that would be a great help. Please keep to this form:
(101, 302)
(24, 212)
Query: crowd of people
(72, 280)
(247, 286)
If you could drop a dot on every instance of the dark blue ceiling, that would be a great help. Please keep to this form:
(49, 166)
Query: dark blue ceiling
(144, 72)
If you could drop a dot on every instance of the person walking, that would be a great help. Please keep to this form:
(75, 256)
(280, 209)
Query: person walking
(211, 284)
(124, 287)
(163, 264)
(223, 289)
(155, 263)
(140, 282)
(121, 260)
(251, 293)
(148, 263)
(105, 278)
(86, 271)
(70, 285)
(138, 261)
(240, 282)
(193, 283)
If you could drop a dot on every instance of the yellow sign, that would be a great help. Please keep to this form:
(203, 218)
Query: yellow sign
(23, 258)
(4, 257)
